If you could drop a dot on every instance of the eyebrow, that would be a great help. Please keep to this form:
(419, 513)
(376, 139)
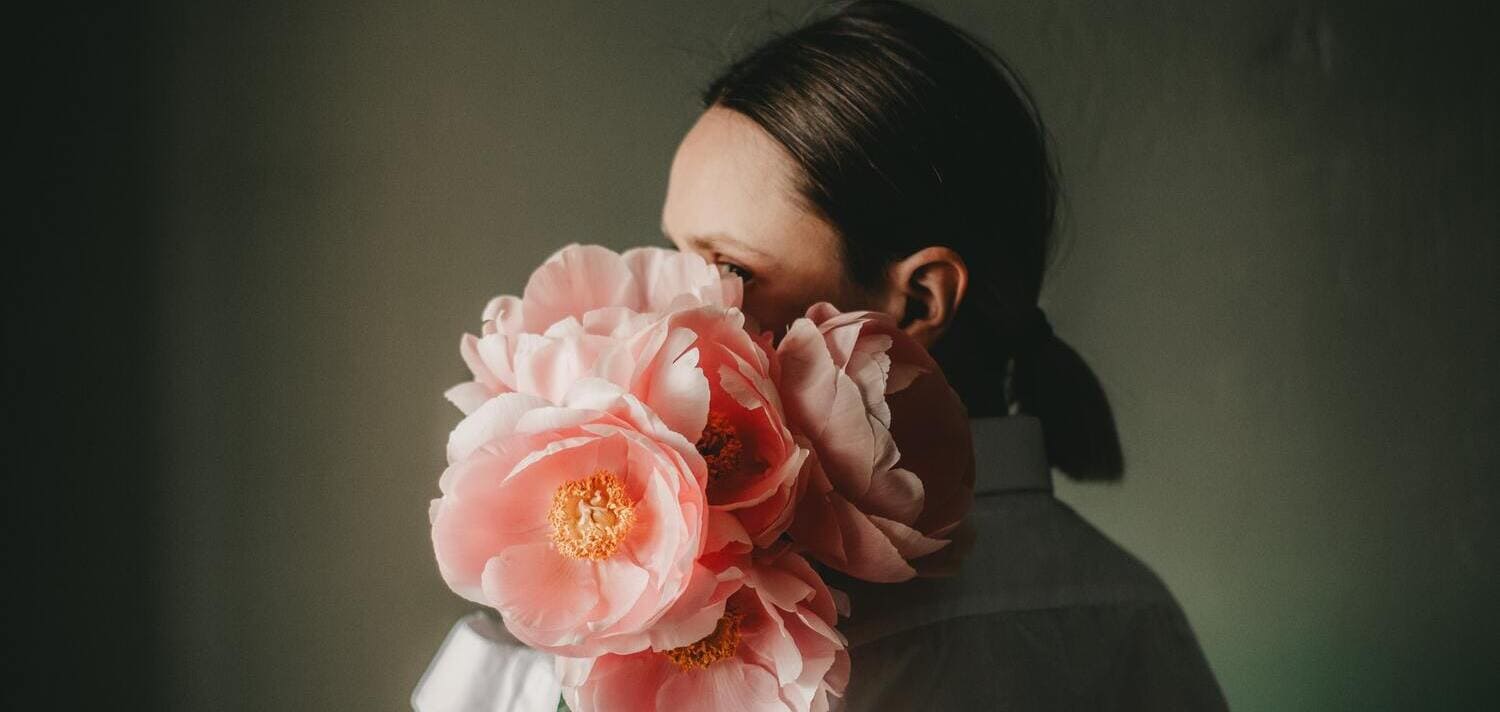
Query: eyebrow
(711, 240)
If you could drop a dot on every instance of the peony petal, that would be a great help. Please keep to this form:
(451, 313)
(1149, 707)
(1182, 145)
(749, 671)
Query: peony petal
(467, 396)
(895, 494)
(908, 542)
(621, 584)
(769, 518)
(842, 603)
(494, 419)
(901, 375)
(780, 588)
(495, 355)
(728, 685)
(505, 311)
(575, 280)
(621, 683)
(778, 650)
(693, 616)
(846, 443)
(572, 671)
(663, 275)
(807, 371)
(668, 379)
(468, 350)
(614, 322)
(869, 553)
(541, 593)
(593, 394)
(551, 367)
(937, 447)
(463, 538)
(734, 382)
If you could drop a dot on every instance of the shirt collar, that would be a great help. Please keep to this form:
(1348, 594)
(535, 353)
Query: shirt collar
(1010, 455)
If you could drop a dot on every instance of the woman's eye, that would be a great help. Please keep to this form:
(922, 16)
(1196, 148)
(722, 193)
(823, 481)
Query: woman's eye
(728, 268)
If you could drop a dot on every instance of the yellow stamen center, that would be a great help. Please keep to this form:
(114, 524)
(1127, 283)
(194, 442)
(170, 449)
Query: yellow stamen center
(720, 644)
(591, 516)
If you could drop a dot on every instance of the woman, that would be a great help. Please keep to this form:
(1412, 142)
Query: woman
(880, 158)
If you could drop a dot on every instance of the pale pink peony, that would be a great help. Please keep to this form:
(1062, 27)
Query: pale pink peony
(701, 371)
(774, 647)
(580, 301)
(893, 469)
(737, 424)
(581, 523)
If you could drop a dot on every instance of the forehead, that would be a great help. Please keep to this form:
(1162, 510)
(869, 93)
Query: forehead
(729, 176)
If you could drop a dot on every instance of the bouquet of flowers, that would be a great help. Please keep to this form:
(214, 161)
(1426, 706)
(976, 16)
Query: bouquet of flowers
(643, 479)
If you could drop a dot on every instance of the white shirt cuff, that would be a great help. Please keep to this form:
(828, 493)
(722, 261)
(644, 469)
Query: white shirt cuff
(481, 667)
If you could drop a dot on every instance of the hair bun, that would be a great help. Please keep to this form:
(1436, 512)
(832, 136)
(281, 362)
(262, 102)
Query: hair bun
(1032, 331)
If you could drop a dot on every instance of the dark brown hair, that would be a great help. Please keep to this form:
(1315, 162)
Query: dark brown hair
(909, 133)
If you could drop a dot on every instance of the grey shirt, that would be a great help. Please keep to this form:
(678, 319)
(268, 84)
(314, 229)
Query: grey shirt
(1046, 612)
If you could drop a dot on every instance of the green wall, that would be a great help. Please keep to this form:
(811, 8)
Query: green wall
(1280, 256)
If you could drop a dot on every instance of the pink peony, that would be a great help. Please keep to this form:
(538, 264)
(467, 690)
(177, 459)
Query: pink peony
(881, 490)
(774, 647)
(697, 368)
(633, 453)
(580, 523)
(753, 461)
(578, 303)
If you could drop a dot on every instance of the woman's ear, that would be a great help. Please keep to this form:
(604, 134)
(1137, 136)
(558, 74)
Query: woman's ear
(924, 291)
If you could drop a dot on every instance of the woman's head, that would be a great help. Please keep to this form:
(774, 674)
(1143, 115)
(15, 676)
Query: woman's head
(733, 197)
(880, 158)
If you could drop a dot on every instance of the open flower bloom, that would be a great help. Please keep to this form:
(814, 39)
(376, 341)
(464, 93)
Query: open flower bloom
(705, 376)
(774, 647)
(579, 302)
(735, 417)
(581, 524)
(893, 469)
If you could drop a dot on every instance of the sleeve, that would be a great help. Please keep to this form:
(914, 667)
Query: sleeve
(480, 667)
(1134, 657)
(1162, 666)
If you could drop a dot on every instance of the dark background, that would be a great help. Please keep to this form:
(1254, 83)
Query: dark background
(249, 235)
